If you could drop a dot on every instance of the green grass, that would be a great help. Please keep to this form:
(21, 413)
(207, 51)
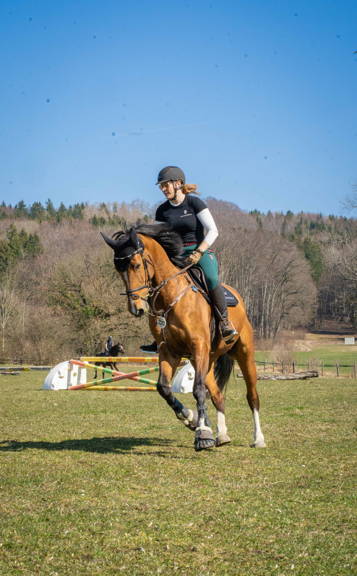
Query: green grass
(108, 483)
(321, 357)
(330, 354)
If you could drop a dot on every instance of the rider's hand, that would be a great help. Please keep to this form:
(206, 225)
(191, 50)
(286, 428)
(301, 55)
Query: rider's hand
(194, 257)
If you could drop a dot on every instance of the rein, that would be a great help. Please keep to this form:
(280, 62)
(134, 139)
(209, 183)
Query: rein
(153, 292)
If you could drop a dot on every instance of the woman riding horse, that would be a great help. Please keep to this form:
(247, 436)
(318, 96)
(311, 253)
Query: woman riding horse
(181, 319)
(189, 216)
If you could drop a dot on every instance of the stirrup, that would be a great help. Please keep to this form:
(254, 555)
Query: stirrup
(228, 332)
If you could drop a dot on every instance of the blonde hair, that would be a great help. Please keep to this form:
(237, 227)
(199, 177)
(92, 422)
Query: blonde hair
(189, 189)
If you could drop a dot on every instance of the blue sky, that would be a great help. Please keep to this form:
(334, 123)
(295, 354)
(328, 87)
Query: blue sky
(255, 100)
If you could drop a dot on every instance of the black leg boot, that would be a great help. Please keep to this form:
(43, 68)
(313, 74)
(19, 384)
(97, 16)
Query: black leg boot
(152, 348)
(219, 301)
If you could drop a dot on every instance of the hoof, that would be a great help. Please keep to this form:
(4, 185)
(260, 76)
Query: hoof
(222, 439)
(189, 418)
(192, 421)
(204, 439)
(258, 444)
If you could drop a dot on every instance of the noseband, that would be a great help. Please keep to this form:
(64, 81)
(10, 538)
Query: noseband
(131, 292)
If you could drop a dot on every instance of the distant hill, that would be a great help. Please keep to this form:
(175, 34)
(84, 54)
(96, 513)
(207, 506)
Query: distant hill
(59, 293)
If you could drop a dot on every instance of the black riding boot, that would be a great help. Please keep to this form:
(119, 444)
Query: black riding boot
(219, 301)
(152, 348)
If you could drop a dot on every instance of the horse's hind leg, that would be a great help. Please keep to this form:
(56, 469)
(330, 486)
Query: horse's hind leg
(218, 402)
(244, 353)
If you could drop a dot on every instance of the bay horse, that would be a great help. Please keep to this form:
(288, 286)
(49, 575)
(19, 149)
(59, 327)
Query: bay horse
(180, 318)
(111, 349)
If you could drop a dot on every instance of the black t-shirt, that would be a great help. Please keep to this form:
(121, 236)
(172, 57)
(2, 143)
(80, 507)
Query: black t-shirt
(183, 218)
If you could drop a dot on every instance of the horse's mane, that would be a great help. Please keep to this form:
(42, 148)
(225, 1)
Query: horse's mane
(164, 235)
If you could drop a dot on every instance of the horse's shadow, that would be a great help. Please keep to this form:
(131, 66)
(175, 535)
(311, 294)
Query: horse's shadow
(106, 445)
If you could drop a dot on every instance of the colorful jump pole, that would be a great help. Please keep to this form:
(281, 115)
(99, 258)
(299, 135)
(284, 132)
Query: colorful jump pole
(122, 388)
(119, 375)
(121, 359)
(115, 377)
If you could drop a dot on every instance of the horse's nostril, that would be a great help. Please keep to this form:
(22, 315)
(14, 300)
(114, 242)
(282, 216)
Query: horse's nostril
(140, 312)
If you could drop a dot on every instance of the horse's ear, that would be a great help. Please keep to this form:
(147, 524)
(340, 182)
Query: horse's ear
(109, 241)
(134, 238)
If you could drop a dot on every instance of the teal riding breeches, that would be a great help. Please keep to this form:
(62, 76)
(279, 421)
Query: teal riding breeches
(208, 263)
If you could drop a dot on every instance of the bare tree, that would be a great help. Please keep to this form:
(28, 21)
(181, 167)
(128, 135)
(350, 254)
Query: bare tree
(350, 202)
(9, 308)
(273, 278)
(338, 287)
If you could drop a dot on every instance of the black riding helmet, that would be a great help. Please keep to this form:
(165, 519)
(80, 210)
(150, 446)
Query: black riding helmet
(170, 173)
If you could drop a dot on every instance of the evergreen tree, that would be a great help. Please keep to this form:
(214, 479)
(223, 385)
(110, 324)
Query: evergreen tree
(313, 255)
(51, 211)
(20, 210)
(37, 211)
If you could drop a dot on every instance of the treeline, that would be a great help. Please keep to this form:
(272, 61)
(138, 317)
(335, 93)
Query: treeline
(60, 295)
(115, 214)
(294, 270)
(38, 211)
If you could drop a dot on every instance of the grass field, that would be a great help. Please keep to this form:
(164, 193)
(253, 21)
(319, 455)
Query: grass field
(108, 483)
(322, 354)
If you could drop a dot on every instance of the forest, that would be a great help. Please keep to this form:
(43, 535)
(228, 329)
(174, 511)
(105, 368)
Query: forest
(60, 295)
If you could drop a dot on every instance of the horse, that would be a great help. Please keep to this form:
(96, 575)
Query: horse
(110, 350)
(150, 261)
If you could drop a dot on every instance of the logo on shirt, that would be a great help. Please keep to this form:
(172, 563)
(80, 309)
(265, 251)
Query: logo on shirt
(186, 213)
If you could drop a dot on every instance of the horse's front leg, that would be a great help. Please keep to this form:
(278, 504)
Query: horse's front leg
(168, 365)
(203, 436)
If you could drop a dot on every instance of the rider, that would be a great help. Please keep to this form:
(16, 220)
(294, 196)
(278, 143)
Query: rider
(192, 220)
(109, 345)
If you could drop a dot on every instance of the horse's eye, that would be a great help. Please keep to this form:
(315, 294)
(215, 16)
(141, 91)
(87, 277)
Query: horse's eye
(135, 266)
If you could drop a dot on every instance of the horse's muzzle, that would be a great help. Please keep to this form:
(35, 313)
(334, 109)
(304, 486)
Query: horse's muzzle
(137, 309)
(135, 312)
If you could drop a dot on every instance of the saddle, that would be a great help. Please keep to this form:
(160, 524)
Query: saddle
(199, 280)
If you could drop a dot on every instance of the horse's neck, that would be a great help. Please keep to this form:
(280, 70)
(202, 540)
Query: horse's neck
(163, 267)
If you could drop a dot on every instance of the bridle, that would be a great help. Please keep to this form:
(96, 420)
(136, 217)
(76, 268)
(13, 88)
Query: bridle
(132, 291)
(154, 291)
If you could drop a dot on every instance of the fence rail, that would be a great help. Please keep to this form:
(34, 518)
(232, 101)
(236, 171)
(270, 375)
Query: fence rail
(324, 368)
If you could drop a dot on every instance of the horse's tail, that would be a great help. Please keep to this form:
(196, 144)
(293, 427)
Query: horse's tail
(222, 370)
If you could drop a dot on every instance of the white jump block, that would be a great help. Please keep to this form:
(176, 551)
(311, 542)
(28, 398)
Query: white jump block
(183, 379)
(64, 375)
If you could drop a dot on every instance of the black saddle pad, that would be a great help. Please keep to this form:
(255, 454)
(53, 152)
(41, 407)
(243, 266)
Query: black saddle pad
(231, 299)
(199, 280)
